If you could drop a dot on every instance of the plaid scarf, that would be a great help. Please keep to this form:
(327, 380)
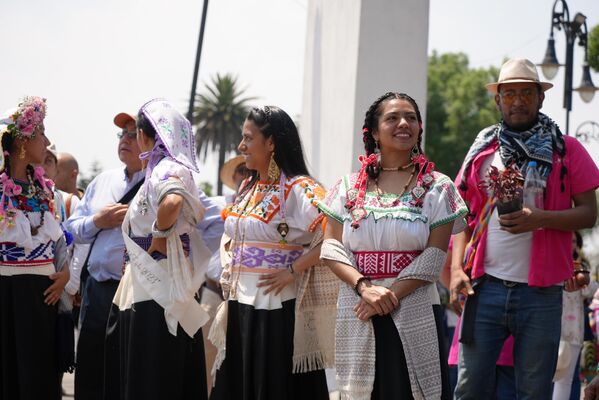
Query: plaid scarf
(518, 148)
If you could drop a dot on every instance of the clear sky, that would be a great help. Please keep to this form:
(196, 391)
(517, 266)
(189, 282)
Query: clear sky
(92, 59)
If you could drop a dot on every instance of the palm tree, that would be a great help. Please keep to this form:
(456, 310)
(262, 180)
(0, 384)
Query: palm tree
(218, 118)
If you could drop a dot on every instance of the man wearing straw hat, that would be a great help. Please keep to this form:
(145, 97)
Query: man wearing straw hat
(516, 264)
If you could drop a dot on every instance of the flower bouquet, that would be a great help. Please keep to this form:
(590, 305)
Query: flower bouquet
(506, 186)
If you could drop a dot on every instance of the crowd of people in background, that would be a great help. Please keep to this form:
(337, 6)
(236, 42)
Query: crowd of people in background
(406, 283)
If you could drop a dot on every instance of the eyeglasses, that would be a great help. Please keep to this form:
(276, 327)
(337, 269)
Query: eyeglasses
(526, 95)
(123, 133)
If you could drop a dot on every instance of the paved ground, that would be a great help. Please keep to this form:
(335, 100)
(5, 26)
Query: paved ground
(68, 386)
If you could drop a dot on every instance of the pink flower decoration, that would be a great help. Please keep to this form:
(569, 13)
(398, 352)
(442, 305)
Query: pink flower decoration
(31, 113)
(27, 130)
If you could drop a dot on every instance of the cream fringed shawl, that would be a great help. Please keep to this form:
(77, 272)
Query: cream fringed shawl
(414, 319)
(315, 305)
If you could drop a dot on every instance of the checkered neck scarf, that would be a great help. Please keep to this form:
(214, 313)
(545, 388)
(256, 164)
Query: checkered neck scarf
(518, 148)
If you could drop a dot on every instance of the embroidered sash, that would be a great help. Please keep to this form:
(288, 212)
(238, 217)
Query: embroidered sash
(383, 264)
(260, 255)
(172, 283)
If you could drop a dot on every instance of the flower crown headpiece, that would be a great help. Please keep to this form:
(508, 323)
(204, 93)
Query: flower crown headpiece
(22, 121)
(28, 116)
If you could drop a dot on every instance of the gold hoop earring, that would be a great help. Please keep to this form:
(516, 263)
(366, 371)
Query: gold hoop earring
(273, 169)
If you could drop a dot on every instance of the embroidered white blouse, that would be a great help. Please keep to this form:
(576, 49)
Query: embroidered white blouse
(392, 225)
(256, 245)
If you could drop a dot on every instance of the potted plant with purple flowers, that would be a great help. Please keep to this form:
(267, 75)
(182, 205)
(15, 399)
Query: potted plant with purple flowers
(506, 186)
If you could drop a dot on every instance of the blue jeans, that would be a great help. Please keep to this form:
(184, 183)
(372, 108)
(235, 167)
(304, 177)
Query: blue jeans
(533, 316)
(505, 383)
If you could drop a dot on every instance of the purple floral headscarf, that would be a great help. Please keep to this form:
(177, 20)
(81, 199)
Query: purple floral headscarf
(174, 138)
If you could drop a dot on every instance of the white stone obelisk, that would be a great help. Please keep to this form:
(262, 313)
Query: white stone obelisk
(356, 50)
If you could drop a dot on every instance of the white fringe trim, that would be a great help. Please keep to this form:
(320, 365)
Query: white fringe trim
(218, 337)
(311, 362)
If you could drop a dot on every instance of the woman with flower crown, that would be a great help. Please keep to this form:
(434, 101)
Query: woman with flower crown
(388, 228)
(156, 319)
(30, 232)
(273, 218)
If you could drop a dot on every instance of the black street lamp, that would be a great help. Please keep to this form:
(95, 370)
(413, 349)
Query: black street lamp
(588, 130)
(574, 29)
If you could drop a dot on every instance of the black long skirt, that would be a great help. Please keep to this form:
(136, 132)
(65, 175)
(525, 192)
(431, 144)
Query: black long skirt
(28, 356)
(153, 364)
(391, 372)
(258, 364)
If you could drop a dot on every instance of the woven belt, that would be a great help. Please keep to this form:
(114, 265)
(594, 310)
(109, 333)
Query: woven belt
(12, 255)
(266, 255)
(146, 241)
(383, 264)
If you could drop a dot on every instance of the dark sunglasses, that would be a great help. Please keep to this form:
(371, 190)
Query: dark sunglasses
(123, 133)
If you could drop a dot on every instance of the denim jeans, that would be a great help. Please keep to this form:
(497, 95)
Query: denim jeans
(533, 316)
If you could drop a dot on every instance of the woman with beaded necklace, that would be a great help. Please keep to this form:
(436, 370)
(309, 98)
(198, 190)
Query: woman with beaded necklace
(387, 231)
(273, 218)
(30, 287)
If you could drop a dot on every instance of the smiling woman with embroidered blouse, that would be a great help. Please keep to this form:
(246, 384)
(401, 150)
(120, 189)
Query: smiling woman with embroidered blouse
(272, 219)
(387, 231)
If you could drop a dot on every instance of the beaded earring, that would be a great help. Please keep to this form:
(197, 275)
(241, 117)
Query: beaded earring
(273, 169)
(415, 153)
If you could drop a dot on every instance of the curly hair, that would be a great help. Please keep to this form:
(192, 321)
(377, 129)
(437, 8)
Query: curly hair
(371, 120)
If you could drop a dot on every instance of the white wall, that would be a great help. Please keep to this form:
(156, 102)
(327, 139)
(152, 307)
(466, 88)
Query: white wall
(356, 50)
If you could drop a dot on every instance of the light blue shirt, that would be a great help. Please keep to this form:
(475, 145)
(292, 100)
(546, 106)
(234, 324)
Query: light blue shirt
(106, 259)
(212, 225)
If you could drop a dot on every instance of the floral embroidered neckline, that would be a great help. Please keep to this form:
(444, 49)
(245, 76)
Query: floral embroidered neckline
(411, 199)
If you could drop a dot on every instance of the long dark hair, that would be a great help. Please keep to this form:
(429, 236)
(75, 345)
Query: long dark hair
(275, 123)
(144, 124)
(8, 142)
(371, 121)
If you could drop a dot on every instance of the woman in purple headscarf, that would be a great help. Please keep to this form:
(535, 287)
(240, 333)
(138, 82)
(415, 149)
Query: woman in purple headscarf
(156, 314)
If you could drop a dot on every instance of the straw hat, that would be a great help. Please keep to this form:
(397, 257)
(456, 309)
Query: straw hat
(52, 150)
(518, 70)
(228, 169)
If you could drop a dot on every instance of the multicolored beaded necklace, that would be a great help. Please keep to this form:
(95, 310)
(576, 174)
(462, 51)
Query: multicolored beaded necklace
(356, 194)
(37, 198)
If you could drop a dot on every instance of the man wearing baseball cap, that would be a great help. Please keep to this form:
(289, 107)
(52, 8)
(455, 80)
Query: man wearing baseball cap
(518, 262)
(97, 221)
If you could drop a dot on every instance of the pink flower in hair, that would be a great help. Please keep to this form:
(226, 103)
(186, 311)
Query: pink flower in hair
(27, 130)
(29, 115)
